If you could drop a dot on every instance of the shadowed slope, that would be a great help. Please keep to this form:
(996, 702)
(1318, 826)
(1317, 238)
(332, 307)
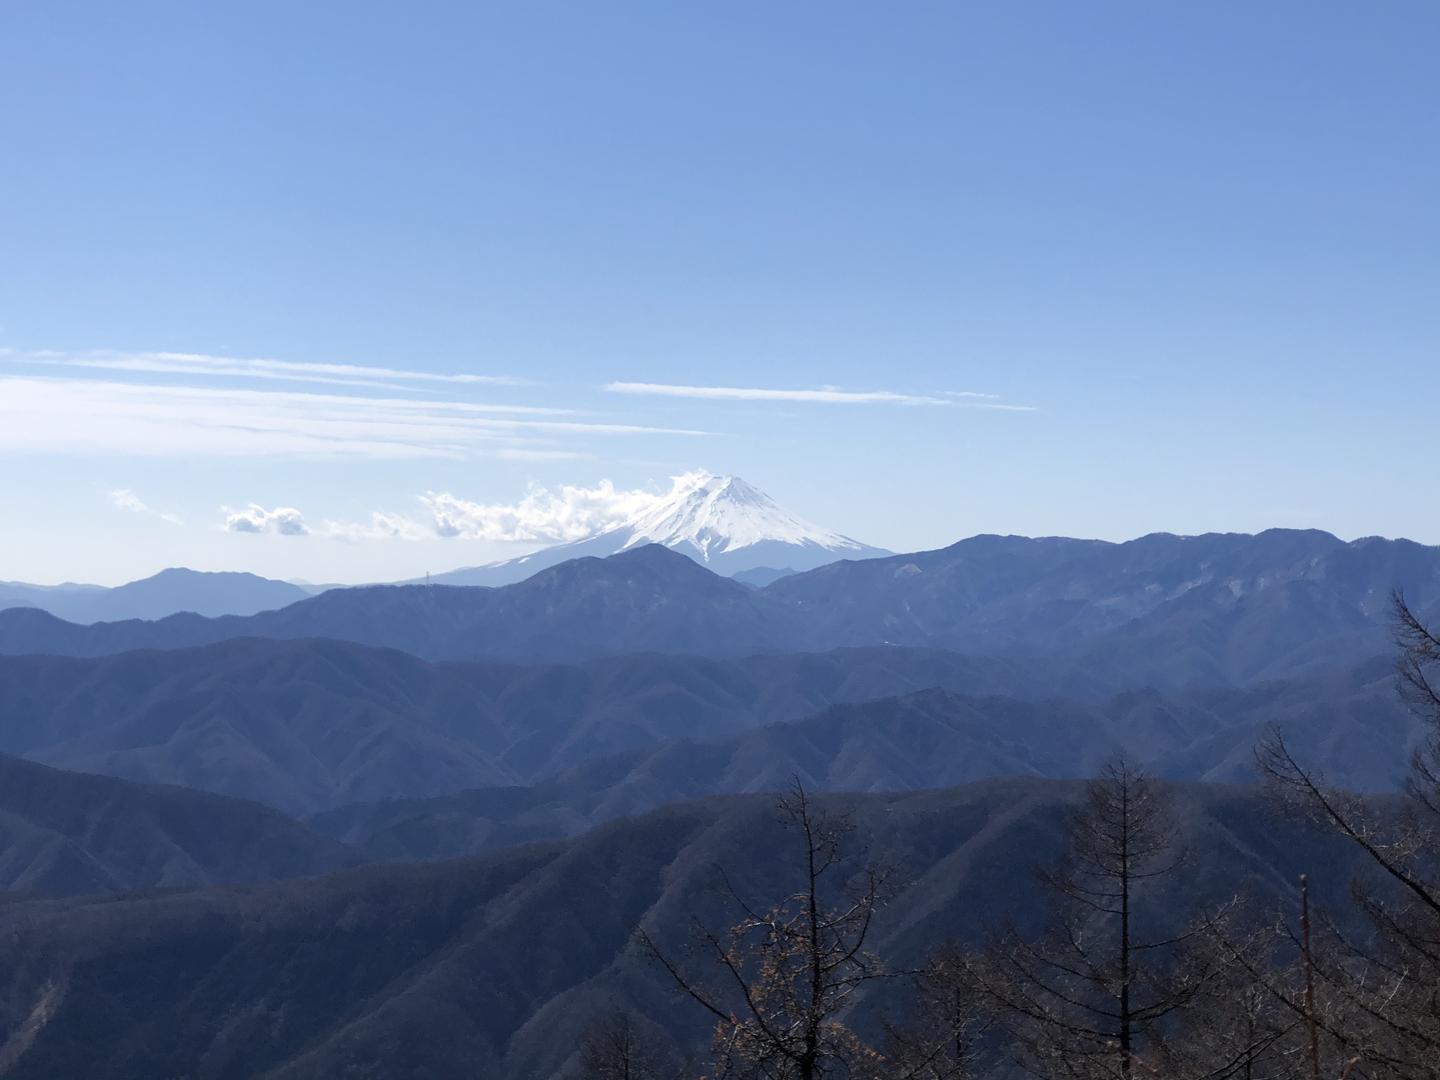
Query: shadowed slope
(493, 967)
(309, 725)
(1352, 726)
(66, 833)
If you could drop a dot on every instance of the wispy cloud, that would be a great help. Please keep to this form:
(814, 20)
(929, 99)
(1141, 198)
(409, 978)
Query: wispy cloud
(125, 499)
(382, 525)
(825, 395)
(88, 415)
(176, 363)
(517, 453)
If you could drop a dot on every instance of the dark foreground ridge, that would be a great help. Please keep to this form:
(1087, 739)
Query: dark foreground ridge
(494, 966)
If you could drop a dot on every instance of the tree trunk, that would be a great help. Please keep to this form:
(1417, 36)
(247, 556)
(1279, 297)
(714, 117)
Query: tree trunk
(1125, 1023)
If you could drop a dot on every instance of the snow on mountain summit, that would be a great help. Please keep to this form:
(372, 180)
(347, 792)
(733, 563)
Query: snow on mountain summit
(716, 514)
(721, 522)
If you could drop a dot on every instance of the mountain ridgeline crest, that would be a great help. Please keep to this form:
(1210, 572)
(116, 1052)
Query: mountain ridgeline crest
(1172, 611)
(167, 593)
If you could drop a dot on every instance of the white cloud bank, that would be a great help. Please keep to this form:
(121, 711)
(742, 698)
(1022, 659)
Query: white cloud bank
(283, 520)
(541, 516)
(256, 520)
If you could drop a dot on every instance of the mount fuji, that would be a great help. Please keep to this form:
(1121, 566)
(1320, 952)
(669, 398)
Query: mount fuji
(721, 522)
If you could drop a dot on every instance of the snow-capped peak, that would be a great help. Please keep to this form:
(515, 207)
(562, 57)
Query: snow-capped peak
(719, 521)
(715, 514)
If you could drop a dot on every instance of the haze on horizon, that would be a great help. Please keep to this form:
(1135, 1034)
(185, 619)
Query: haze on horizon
(325, 293)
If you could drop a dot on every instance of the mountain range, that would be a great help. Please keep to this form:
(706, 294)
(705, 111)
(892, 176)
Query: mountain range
(532, 770)
(1353, 729)
(646, 599)
(166, 593)
(721, 522)
(494, 966)
(310, 726)
(1189, 605)
(1168, 611)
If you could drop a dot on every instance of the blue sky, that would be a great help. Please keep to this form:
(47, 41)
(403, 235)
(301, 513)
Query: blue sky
(1195, 248)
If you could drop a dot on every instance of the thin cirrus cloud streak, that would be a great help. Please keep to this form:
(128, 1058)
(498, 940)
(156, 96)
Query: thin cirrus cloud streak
(824, 395)
(87, 415)
(204, 365)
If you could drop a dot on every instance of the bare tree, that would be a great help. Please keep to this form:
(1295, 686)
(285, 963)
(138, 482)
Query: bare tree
(1238, 1029)
(940, 1037)
(621, 1047)
(1249, 1019)
(1305, 995)
(1419, 672)
(778, 983)
(1384, 987)
(1087, 999)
